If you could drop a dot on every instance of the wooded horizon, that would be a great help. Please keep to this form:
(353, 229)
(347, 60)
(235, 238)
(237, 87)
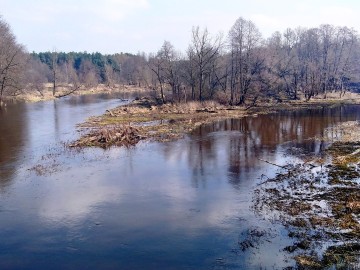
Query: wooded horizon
(233, 69)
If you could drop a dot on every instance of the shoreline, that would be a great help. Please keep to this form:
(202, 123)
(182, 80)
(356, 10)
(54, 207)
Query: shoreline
(149, 119)
(318, 201)
(46, 95)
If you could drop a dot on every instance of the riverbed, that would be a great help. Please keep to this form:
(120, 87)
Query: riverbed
(185, 204)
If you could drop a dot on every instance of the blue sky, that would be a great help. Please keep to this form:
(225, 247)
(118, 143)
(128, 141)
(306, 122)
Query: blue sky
(111, 26)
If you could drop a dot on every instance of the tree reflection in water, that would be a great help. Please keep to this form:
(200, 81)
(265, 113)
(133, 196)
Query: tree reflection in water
(242, 142)
(13, 129)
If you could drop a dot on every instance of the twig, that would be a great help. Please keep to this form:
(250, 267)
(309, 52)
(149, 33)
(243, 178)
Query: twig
(283, 167)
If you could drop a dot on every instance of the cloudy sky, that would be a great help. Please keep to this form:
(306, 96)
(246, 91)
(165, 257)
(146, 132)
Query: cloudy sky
(111, 26)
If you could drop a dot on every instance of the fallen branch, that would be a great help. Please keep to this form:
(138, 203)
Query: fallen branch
(283, 167)
(110, 112)
(69, 93)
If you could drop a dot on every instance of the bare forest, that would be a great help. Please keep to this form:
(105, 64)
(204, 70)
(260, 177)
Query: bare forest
(238, 68)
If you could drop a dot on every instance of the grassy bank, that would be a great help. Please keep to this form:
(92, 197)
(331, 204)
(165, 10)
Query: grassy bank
(152, 120)
(47, 93)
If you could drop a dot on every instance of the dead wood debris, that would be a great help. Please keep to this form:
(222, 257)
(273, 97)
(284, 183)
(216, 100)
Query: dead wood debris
(123, 135)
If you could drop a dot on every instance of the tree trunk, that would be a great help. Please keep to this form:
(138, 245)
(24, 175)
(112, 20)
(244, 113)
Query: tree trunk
(54, 88)
(232, 84)
(200, 87)
(162, 93)
(242, 99)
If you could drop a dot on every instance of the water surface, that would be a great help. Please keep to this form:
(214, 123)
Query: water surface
(178, 205)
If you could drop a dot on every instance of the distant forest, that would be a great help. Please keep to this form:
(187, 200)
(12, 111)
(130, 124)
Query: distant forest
(237, 68)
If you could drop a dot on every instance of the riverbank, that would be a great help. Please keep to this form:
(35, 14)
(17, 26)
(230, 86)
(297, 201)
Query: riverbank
(47, 93)
(318, 201)
(150, 119)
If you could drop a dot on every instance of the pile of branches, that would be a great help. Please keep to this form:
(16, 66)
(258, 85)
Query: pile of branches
(122, 135)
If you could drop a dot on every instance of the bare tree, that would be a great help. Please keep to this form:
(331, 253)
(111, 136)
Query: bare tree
(87, 74)
(156, 64)
(283, 65)
(12, 62)
(36, 75)
(170, 66)
(246, 64)
(68, 78)
(189, 73)
(346, 40)
(204, 51)
(54, 70)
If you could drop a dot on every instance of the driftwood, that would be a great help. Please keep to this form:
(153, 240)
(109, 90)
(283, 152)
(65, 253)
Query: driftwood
(253, 103)
(70, 92)
(205, 110)
(110, 112)
(107, 136)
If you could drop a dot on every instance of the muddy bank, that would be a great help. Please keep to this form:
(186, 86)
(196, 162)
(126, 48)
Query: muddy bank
(318, 201)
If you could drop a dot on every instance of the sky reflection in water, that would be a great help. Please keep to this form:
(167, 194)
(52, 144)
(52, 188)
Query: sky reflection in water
(183, 204)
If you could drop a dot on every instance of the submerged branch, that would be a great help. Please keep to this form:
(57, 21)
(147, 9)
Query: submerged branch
(263, 160)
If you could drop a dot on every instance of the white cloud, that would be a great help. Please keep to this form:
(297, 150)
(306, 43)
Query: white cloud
(123, 23)
(41, 11)
(62, 203)
(340, 16)
(115, 10)
(266, 23)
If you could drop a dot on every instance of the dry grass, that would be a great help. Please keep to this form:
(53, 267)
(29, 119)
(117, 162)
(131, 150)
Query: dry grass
(336, 96)
(164, 122)
(170, 121)
(46, 94)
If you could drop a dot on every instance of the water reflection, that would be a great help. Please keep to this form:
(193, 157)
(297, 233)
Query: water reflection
(245, 142)
(69, 206)
(30, 131)
(12, 136)
(180, 205)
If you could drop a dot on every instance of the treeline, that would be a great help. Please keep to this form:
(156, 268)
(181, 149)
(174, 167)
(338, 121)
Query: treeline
(241, 67)
(82, 69)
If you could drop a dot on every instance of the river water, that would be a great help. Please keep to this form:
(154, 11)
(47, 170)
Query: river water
(177, 205)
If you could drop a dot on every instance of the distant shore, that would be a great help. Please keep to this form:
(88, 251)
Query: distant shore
(47, 94)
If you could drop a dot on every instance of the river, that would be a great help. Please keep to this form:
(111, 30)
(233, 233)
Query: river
(178, 205)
